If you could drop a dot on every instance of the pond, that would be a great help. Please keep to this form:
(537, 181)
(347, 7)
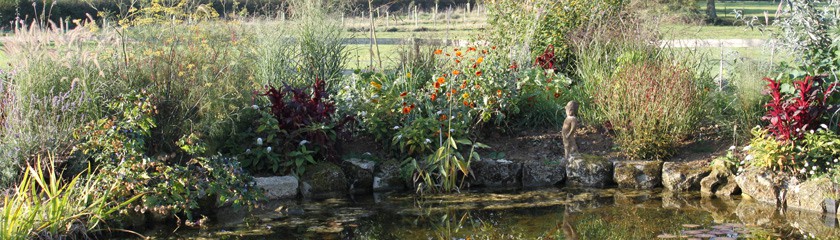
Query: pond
(566, 213)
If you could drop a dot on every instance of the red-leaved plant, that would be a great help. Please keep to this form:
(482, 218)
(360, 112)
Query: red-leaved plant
(546, 60)
(791, 116)
(298, 113)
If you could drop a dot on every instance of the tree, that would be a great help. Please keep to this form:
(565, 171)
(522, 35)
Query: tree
(711, 12)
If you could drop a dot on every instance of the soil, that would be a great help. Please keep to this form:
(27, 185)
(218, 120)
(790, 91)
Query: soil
(545, 144)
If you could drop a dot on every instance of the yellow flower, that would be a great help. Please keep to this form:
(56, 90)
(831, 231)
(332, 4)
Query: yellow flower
(408, 75)
(466, 95)
(376, 85)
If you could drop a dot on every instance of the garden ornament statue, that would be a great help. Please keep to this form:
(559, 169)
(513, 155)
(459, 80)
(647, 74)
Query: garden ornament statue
(568, 132)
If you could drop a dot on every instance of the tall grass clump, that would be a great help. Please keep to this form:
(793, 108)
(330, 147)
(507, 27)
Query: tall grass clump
(652, 106)
(320, 39)
(45, 206)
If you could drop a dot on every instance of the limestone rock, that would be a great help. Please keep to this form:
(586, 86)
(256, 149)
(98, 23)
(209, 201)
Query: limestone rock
(496, 173)
(720, 182)
(387, 177)
(759, 184)
(542, 174)
(278, 187)
(813, 195)
(323, 180)
(638, 174)
(684, 176)
(359, 174)
(589, 171)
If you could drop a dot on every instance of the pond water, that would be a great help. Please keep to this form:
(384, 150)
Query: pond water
(539, 214)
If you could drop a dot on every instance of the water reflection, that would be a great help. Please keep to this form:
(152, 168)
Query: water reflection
(541, 214)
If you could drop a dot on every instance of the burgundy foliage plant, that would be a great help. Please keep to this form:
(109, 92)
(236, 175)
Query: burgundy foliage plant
(791, 116)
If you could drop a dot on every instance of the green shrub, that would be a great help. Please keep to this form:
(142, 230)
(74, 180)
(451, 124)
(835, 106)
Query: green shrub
(170, 185)
(652, 106)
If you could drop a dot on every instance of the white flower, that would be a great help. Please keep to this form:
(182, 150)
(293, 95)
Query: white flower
(399, 136)
(814, 168)
(749, 157)
(396, 127)
(806, 164)
(363, 113)
(812, 131)
(812, 172)
(439, 112)
(255, 107)
(268, 149)
(259, 141)
(835, 160)
(248, 150)
(824, 126)
(451, 130)
(303, 142)
(747, 148)
(802, 170)
(428, 141)
(732, 148)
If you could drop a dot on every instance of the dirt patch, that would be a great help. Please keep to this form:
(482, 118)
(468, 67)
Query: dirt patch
(546, 144)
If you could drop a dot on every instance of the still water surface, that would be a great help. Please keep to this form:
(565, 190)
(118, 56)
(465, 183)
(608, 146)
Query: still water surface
(539, 214)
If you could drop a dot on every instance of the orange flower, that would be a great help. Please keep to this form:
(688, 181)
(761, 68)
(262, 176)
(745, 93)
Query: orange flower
(455, 49)
(443, 117)
(470, 49)
(457, 60)
(458, 53)
(556, 94)
(437, 85)
(438, 51)
(472, 105)
(479, 60)
(466, 103)
(376, 85)
(464, 85)
(441, 80)
(433, 96)
(499, 93)
(406, 110)
(494, 47)
(478, 73)
(477, 86)
(484, 51)
(548, 80)
(456, 72)
(403, 94)
(454, 91)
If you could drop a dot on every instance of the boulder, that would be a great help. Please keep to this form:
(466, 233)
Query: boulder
(542, 174)
(720, 182)
(759, 184)
(684, 176)
(323, 180)
(278, 187)
(387, 177)
(638, 174)
(359, 174)
(496, 173)
(812, 225)
(818, 195)
(589, 171)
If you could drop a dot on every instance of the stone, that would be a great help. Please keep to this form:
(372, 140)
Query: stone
(278, 187)
(386, 177)
(816, 195)
(589, 171)
(638, 174)
(815, 226)
(542, 174)
(720, 182)
(359, 174)
(759, 184)
(323, 180)
(495, 173)
(684, 176)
